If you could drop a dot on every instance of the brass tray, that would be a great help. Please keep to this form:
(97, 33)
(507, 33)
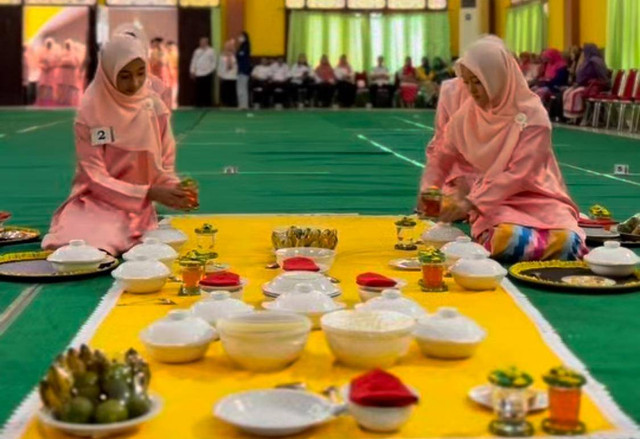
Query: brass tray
(550, 274)
(12, 235)
(33, 266)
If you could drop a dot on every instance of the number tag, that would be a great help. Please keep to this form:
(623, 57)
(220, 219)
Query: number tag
(101, 136)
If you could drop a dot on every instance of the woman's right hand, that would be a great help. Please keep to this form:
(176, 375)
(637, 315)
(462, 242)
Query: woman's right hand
(174, 197)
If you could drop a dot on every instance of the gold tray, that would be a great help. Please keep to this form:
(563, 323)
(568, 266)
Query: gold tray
(18, 235)
(550, 274)
(33, 266)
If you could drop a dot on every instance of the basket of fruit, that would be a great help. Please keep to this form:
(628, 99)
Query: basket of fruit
(86, 394)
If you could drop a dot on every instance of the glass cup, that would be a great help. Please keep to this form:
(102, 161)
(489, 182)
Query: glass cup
(564, 411)
(193, 195)
(192, 272)
(510, 406)
(405, 237)
(433, 277)
(431, 203)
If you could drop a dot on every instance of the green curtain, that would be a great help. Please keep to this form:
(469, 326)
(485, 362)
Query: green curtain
(623, 34)
(216, 29)
(363, 37)
(527, 28)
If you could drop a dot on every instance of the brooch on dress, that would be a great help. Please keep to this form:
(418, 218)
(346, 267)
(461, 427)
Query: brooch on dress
(521, 119)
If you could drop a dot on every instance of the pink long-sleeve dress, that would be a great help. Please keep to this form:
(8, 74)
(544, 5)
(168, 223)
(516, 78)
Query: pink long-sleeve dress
(108, 206)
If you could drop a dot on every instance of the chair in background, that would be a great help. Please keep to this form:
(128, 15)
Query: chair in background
(598, 100)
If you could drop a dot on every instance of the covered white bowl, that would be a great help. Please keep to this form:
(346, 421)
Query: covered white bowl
(393, 300)
(167, 234)
(440, 234)
(478, 273)
(447, 334)
(180, 337)
(76, 256)
(142, 275)
(218, 305)
(286, 282)
(462, 247)
(612, 260)
(153, 248)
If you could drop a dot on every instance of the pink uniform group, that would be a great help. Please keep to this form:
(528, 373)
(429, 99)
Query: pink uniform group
(62, 77)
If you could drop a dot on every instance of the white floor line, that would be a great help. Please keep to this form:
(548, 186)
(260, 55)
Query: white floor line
(201, 173)
(623, 134)
(37, 127)
(242, 131)
(410, 122)
(599, 174)
(210, 143)
(17, 307)
(597, 391)
(391, 151)
(15, 427)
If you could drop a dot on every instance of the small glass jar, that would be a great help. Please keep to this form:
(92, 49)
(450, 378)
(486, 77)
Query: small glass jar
(433, 277)
(191, 187)
(510, 405)
(564, 412)
(405, 234)
(192, 272)
(206, 239)
(431, 203)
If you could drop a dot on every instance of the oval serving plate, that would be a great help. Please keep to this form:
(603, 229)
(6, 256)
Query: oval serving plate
(30, 266)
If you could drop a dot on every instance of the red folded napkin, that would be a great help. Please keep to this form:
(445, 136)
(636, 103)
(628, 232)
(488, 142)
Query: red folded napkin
(300, 264)
(221, 279)
(378, 388)
(375, 280)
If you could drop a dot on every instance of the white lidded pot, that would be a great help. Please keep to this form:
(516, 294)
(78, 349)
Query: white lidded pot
(218, 305)
(393, 300)
(612, 260)
(153, 248)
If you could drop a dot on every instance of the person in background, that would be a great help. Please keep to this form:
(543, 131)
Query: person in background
(301, 80)
(174, 65)
(158, 61)
(326, 82)
(48, 63)
(518, 206)
(228, 74)
(440, 70)
(345, 82)
(68, 91)
(425, 77)
(380, 80)
(555, 75)
(25, 75)
(573, 58)
(280, 76)
(261, 83)
(125, 157)
(408, 84)
(243, 60)
(202, 69)
(592, 77)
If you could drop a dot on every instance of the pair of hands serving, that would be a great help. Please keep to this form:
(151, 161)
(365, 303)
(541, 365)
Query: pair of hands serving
(457, 207)
(174, 197)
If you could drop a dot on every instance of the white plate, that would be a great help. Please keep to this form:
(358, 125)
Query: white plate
(600, 233)
(407, 264)
(273, 295)
(400, 284)
(482, 395)
(209, 289)
(274, 412)
(100, 430)
(323, 268)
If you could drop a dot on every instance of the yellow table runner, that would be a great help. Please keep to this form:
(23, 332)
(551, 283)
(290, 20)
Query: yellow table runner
(366, 244)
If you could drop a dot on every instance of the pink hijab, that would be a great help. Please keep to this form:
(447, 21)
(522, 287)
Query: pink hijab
(487, 137)
(132, 118)
(554, 62)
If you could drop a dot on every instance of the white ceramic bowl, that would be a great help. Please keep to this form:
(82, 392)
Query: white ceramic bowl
(447, 350)
(69, 267)
(368, 339)
(478, 283)
(100, 430)
(379, 419)
(219, 305)
(167, 234)
(76, 256)
(440, 234)
(234, 294)
(393, 300)
(153, 248)
(612, 260)
(366, 295)
(478, 273)
(265, 340)
(286, 282)
(274, 412)
(142, 276)
(323, 257)
(463, 246)
(314, 316)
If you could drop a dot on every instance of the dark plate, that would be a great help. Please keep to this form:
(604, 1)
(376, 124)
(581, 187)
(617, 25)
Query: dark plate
(12, 235)
(623, 240)
(33, 266)
(550, 273)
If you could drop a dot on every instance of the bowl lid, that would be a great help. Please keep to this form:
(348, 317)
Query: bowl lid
(166, 233)
(152, 248)
(478, 265)
(442, 232)
(179, 327)
(77, 251)
(447, 324)
(309, 252)
(217, 305)
(264, 323)
(463, 247)
(375, 323)
(304, 298)
(141, 267)
(393, 300)
(611, 253)
(287, 281)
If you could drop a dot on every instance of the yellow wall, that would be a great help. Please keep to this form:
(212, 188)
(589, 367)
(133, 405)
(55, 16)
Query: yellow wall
(556, 24)
(593, 22)
(35, 17)
(500, 17)
(265, 20)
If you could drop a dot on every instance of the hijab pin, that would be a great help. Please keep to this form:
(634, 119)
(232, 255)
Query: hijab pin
(521, 119)
(149, 104)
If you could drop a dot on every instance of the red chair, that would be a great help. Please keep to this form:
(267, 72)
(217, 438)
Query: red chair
(635, 105)
(601, 98)
(624, 98)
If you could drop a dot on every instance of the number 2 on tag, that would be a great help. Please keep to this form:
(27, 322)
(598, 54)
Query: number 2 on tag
(101, 136)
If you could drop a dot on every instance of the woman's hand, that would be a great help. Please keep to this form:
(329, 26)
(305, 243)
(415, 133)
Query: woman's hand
(174, 197)
(458, 209)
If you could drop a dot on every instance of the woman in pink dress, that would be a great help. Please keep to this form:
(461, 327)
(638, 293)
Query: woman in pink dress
(518, 205)
(408, 84)
(48, 63)
(69, 65)
(125, 157)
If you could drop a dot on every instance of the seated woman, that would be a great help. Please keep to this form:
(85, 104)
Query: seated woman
(426, 78)
(301, 81)
(408, 84)
(346, 82)
(125, 157)
(518, 204)
(325, 80)
(555, 76)
(592, 76)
